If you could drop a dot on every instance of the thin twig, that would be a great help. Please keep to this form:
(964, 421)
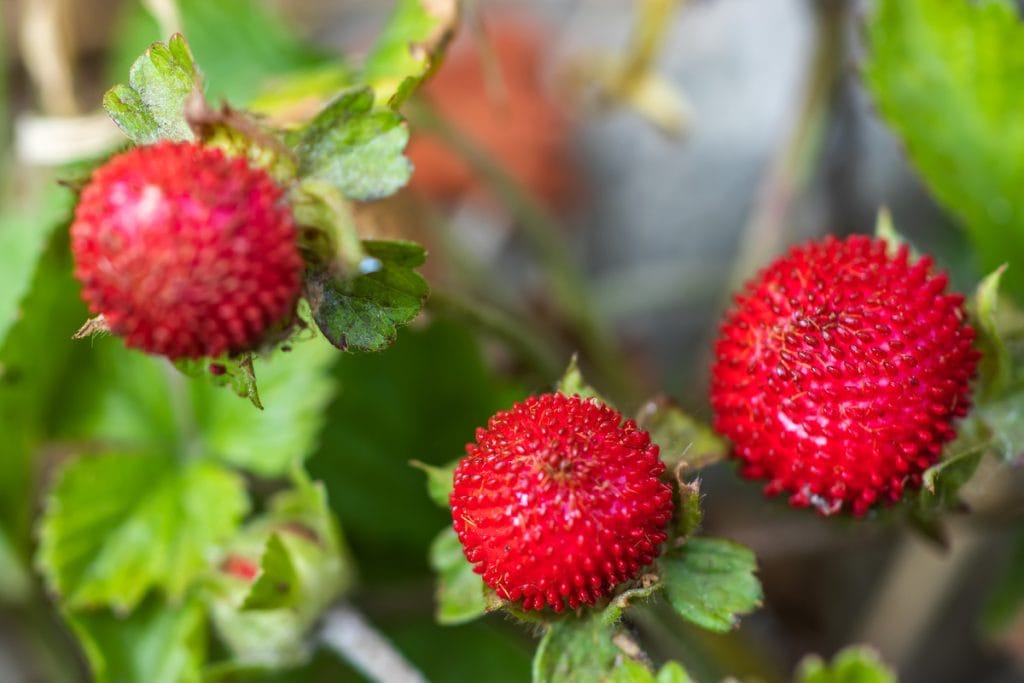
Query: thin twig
(346, 632)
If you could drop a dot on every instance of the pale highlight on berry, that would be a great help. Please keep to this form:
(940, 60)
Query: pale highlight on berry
(185, 251)
(559, 501)
(840, 371)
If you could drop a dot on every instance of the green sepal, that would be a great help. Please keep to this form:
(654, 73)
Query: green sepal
(995, 367)
(355, 147)
(152, 106)
(573, 383)
(682, 440)
(234, 372)
(439, 481)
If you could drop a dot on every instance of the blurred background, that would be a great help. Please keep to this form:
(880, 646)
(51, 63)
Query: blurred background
(753, 131)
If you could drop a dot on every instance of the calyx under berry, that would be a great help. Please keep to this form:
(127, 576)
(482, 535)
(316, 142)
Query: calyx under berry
(186, 252)
(559, 501)
(840, 371)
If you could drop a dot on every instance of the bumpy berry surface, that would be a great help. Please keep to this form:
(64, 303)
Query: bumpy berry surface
(185, 252)
(840, 371)
(559, 501)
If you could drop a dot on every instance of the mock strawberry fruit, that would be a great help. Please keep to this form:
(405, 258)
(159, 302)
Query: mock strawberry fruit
(840, 371)
(559, 501)
(186, 252)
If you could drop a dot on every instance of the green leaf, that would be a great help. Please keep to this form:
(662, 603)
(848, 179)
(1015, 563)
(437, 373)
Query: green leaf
(116, 526)
(36, 360)
(139, 402)
(259, 624)
(15, 579)
(357, 149)
(995, 367)
(25, 229)
(855, 664)
(581, 650)
(259, 49)
(673, 672)
(158, 643)
(573, 383)
(711, 582)
(295, 385)
(681, 438)
(947, 76)
(410, 47)
(362, 313)
(123, 399)
(277, 584)
(630, 671)
(152, 106)
(295, 92)
(440, 481)
(461, 594)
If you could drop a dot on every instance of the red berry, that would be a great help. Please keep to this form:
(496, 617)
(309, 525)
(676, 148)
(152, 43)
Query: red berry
(559, 501)
(240, 567)
(840, 371)
(184, 251)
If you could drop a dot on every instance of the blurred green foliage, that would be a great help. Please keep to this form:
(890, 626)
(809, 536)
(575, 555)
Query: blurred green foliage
(851, 665)
(237, 62)
(947, 76)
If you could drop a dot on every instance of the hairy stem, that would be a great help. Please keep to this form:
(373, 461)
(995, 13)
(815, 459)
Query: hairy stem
(350, 635)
